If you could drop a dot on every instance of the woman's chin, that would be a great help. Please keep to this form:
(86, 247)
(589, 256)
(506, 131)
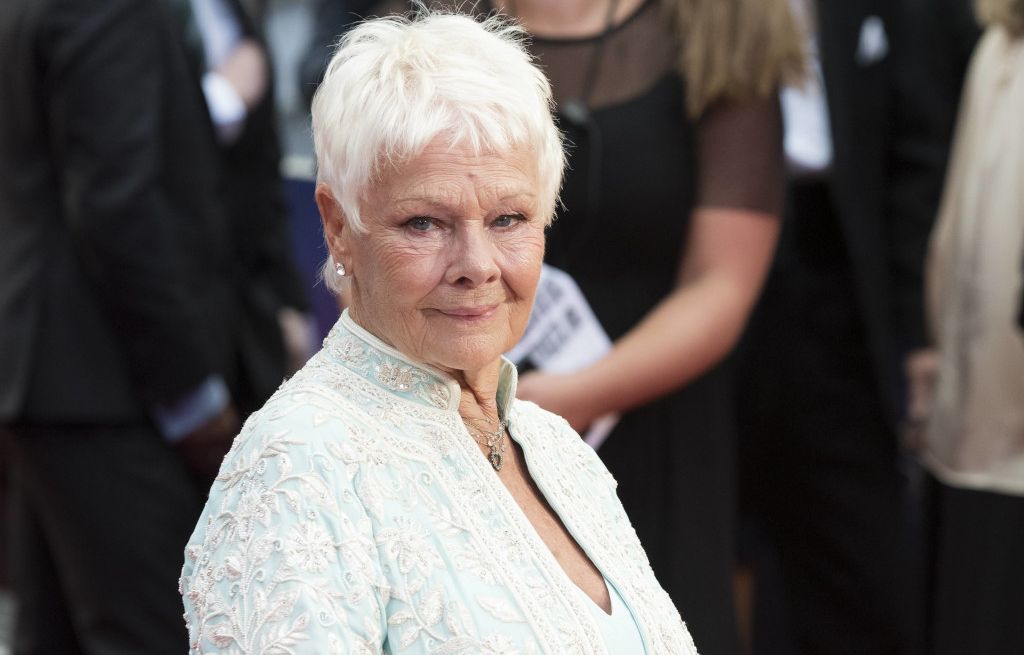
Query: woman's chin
(468, 354)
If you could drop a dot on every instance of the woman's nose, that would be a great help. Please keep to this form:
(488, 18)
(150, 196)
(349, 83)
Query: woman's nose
(474, 261)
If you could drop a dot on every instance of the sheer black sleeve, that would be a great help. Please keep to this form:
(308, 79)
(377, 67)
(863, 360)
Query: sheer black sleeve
(740, 158)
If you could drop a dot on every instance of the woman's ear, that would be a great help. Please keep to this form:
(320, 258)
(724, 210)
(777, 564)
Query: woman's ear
(337, 231)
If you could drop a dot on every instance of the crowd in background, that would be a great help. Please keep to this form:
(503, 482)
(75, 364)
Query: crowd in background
(799, 223)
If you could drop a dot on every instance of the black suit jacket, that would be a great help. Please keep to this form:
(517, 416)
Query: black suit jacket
(115, 260)
(262, 271)
(332, 18)
(890, 135)
(264, 276)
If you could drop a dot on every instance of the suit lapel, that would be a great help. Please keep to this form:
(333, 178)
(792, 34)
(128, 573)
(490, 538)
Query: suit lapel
(186, 25)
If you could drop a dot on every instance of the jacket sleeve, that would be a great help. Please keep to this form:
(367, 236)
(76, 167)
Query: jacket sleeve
(106, 83)
(284, 558)
(920, 140)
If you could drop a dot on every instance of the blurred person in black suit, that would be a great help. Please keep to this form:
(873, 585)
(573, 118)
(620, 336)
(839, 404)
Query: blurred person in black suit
(950, 32)
(821, 388)
(123, 307)
(331, 19)
(229, 58)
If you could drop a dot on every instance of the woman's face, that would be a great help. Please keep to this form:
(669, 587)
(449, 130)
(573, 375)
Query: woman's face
(447, 267)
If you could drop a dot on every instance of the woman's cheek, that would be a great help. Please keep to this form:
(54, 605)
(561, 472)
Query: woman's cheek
(411, 264)
(527, 248)
(522, 265)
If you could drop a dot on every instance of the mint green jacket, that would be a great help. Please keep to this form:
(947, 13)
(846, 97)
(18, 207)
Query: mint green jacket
(354, 514)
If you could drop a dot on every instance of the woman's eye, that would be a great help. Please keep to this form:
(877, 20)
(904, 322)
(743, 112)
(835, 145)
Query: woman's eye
(508, 220)
(421, 223)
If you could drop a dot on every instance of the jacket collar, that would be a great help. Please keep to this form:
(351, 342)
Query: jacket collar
(386, 367)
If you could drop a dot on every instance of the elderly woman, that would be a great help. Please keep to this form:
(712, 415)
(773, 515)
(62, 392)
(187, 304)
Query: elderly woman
(394, 496)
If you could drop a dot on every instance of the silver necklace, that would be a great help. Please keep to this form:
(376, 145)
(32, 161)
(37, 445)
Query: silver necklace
(494, 440)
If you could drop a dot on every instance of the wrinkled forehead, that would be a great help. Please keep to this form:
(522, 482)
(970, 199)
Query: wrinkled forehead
(443, 171)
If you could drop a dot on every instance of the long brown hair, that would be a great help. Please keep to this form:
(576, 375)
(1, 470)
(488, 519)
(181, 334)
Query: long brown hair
(736, 49)
(1007, 13)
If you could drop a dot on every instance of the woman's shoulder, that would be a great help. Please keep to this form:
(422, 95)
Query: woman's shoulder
(283, 524)
(550, 439)
(304, 414)
(538, 424)
(290, 463)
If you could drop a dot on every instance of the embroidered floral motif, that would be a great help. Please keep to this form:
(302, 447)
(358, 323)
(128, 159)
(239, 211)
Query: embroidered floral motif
(352, 351)
(395, 376)
(309, 548)
(364, 354)
(407, 543)
(354, 515)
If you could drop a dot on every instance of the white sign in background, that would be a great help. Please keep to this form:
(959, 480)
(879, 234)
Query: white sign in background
(564, 336)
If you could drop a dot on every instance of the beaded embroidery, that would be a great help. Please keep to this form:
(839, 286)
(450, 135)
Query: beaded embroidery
(355, 515)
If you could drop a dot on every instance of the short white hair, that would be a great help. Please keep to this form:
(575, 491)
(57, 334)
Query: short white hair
(395, 84)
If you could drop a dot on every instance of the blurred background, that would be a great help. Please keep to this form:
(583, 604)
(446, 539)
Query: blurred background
(928, 431)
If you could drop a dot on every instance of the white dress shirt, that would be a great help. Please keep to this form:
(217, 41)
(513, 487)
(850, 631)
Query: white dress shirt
(221, 32)
(808, 137)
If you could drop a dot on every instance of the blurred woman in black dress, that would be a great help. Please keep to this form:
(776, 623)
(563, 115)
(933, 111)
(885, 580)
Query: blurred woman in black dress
(670, 218)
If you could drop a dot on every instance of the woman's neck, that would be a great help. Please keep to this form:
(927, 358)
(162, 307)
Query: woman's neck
(567, 18)
(480, 392)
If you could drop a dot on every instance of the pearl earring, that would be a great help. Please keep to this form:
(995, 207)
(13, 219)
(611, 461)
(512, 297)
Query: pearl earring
(339, 268)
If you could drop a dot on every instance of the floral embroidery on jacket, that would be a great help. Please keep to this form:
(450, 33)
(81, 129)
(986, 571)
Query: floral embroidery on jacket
(355, 515)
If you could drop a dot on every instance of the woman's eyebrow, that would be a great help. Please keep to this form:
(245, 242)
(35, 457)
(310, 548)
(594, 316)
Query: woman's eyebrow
(433, 202)
(518, 195)
(439, 203)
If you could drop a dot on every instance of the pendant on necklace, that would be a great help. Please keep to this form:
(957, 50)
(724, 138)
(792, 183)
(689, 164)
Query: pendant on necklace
(575, 111)
(493, 441)
(496, 459)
